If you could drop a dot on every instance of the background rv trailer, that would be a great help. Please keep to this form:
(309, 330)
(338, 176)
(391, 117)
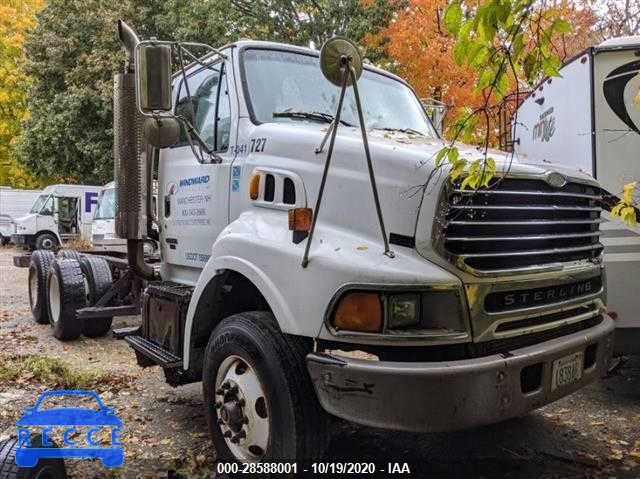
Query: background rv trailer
(589, 119)
(13, 204)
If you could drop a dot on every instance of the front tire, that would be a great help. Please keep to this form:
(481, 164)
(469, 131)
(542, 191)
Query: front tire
(67, 294)
(39, 267)
(46, 241)
(261, 404)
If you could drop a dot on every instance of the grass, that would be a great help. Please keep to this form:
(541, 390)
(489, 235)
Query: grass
(50, 371)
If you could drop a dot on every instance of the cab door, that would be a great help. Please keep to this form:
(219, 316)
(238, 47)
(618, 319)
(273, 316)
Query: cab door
(67, 214)
(193, 186)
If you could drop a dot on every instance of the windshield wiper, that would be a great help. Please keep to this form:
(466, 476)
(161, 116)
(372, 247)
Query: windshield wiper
(309, 115)
(402, 130)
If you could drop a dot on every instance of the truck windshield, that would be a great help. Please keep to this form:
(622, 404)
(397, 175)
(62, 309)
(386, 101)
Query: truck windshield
(43, 205)
(106, 205)
(285, 81)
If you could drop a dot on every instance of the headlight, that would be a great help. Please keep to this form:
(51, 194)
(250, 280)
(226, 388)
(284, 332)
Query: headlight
(415, 311)
(359, 311)
(404, 310)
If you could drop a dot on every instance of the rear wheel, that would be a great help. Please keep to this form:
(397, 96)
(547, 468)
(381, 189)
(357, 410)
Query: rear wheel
(98, 280)
(260, 401)
(39, 266)
(46, 241)
(67, 294)
(46, 468)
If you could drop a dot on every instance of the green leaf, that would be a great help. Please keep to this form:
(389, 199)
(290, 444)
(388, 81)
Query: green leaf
(452, 157)
(561, 26)
(477, 53)
(460, 51)
(529, 65)
(551, 66)
(457, 169)
(453, 18)
(517, 47)
(441, 154)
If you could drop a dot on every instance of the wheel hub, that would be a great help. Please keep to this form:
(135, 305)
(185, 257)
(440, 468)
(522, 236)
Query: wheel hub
(242, 409)
(232, 413)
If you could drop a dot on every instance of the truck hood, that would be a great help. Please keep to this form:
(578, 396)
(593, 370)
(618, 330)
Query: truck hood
(26, 224)
(26, 218)
(402, 163)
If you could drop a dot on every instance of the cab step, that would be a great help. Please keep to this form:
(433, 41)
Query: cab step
(121, 333)
(150, 353)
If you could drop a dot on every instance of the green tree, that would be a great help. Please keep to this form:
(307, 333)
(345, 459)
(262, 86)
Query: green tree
(73, 52)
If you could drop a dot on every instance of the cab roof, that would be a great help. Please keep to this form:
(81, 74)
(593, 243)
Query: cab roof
(244, 44)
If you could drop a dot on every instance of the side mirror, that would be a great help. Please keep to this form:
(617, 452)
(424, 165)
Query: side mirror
(161, 132)
(153, 71)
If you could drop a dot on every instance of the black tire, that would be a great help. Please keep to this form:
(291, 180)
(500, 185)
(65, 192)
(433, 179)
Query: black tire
(67, 294)
(46, 241)
(298, 427)
(66, 253)
(97, 272)
(4, 240)
(46, 468)
(39, 266)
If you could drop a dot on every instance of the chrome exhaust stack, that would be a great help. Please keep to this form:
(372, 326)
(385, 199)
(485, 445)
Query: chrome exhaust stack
(130, 160)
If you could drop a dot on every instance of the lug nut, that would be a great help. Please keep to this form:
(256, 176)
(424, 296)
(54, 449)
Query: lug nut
(241, 402)
(241, 435)
(227, 434)
(218, 404)
(220, 391)
(225, 385)
(233, 389)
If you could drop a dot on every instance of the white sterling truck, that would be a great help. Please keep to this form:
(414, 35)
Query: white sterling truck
(589, 120)
(59, 213)
(297, 289)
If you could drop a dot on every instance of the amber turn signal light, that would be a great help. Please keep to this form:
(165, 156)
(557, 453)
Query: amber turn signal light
(359, 311)
(300, 219)
(254, 186)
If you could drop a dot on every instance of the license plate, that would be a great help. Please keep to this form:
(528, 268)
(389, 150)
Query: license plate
(567, 370)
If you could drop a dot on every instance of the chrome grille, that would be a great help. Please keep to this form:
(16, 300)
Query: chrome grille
(521, 224)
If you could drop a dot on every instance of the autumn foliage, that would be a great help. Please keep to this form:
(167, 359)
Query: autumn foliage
(420, 48)
(16, 16)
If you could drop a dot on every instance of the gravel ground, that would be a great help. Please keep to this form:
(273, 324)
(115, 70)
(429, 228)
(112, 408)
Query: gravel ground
(592, 433)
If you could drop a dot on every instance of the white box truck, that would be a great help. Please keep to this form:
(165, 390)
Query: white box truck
(433, 311)
(589, 119)
(59, 213)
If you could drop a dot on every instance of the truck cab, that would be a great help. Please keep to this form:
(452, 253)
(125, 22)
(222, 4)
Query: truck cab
(103, 229)
(60, 213)
(491, 304)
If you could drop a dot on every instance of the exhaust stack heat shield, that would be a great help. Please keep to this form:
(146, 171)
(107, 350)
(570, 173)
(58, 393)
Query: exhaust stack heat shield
(129, 167)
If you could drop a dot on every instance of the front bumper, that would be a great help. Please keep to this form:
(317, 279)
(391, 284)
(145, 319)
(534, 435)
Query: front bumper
(450, 395)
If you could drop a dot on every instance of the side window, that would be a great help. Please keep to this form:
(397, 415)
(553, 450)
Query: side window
(207, 108)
